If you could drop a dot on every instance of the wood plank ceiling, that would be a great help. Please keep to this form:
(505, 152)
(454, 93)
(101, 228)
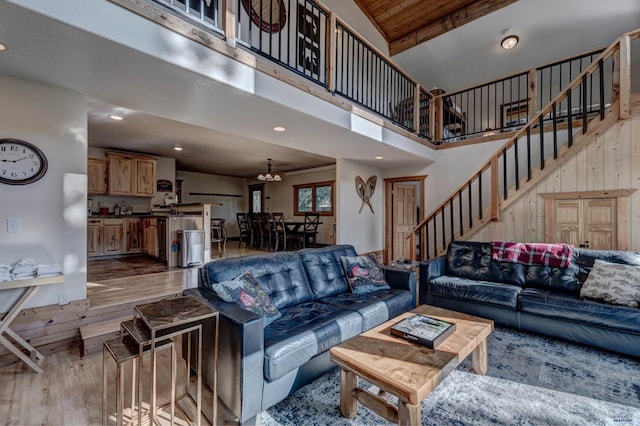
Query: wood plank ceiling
(407, 23)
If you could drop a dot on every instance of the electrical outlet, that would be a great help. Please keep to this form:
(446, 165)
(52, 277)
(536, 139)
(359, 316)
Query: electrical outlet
(63, 298)
(13, 224)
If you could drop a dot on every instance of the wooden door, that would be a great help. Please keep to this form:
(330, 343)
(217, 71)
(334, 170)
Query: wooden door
(404, 219)
(121, 174)
(589, 222)
(112, 238)
(145, 177)
(134, 235)
(94, 238)
(599, 223)
(96, 176)
(568, 213)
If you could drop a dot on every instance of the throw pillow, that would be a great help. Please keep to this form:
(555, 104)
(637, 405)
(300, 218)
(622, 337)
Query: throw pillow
(245, 291)
(363, 273)
(613, 283)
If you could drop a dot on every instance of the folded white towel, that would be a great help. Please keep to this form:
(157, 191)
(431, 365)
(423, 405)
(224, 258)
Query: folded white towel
(27, 261)
(49, 270)
(5, 275)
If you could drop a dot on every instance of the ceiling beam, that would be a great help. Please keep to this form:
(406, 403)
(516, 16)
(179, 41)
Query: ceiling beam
(447, 23)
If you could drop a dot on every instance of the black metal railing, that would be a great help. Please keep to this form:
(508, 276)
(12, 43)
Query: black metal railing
(292, 33)
(204, 12)
(367, 78)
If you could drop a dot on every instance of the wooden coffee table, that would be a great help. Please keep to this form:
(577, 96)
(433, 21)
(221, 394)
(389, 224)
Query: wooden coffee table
(404, 369)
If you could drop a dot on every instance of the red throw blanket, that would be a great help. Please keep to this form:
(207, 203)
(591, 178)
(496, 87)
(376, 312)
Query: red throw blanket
(555, 255)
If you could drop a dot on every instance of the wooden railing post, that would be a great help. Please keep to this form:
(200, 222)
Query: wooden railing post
(229, 21)
(437, 133)
(624, 71)
(412, 246)
(416, 109)
(532, 94)
(495, 191)
(332, 48)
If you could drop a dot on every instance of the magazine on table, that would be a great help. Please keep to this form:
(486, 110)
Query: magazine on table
(422, 329)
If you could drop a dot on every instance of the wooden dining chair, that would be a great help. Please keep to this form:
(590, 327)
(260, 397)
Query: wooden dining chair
(280, 232)
(310, 229)
(264, 226)
(219, 235)
(246, 231)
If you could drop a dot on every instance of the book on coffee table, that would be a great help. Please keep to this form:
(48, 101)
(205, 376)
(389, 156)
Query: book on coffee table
(424, 330)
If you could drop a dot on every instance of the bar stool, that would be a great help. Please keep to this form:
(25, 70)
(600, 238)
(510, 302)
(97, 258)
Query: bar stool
(219, 235)
(122, 350)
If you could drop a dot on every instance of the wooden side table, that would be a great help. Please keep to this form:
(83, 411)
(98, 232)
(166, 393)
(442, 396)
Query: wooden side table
(176, 317)
(30, 286)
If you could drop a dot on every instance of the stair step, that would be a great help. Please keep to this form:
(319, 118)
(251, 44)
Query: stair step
(94, 335)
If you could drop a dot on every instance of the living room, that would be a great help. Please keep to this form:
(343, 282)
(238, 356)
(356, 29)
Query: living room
(61, 235)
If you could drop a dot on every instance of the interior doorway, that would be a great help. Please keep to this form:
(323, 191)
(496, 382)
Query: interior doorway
(256, 198)
(404, 209)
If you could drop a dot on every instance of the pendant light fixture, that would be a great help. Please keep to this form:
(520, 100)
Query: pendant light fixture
(269, 176)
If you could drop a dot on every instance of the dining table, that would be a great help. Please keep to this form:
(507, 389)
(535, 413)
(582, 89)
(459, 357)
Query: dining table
(294, 225)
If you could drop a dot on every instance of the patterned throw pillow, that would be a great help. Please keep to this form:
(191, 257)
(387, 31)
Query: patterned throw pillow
(363, 273)
(613, 283)
(245, 291)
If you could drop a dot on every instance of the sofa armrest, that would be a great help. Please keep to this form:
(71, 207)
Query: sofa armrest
(240, 355)
(430, 269)
(403, 279)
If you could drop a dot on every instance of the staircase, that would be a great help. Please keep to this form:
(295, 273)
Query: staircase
(532, 153)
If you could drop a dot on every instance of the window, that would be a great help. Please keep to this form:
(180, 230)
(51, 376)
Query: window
(256, 195)
(313, 198)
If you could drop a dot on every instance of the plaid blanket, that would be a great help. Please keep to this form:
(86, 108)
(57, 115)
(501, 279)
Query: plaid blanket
(555, 255)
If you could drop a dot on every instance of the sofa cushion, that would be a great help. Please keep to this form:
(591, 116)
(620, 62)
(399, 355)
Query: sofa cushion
(468, 259)
(324, 270)
(584, 258)
(375, 307)
(282, 275)
(613, 283)
(562, 280)
(245, 291)
(570, 308)
(364, 275)
(303, 332)
(505, 295)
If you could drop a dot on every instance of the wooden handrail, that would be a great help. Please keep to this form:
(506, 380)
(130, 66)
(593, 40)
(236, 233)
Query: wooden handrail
(622, 43)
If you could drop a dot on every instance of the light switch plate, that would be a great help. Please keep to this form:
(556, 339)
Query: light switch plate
(13, 224)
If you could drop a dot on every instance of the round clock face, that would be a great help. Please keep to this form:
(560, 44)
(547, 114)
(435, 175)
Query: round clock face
(20, 162)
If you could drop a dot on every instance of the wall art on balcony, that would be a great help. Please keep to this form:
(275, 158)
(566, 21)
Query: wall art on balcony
(308, 40)
(269, 15)
(365, 190)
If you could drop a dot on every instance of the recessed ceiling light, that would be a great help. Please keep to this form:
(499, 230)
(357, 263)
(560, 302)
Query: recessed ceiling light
(279, 129)
(177, 148)
(115, 117)
(2, 47)
(379, 157)
(509, 42)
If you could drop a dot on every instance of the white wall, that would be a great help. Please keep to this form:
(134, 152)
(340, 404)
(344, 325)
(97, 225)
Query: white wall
(364, 230)
(282, 197)
(208, 183)
(52, 211)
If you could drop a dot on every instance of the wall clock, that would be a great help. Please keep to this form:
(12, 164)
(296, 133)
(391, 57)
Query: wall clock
(20, 162)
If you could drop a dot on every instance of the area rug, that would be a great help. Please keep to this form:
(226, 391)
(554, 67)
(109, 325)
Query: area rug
(532, 380)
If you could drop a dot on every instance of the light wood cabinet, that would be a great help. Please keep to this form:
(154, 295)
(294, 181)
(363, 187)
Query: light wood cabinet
(150, 236)
(131, 175)
(94, 237)
(96, 176)
(112, 236)
(133, 230)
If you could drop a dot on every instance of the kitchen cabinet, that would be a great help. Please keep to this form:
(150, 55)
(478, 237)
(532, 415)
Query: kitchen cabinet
(94, 237)
(112, 236)
(133, 230)
(96, 176)
(150, 236)
(131, 175)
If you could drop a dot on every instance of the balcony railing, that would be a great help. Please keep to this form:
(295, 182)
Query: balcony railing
(307, 39)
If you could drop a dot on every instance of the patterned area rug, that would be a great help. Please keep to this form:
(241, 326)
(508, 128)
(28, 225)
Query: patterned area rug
(532, 380)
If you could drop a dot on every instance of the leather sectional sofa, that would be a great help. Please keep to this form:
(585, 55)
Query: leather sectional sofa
(535, 298)
(258, 366)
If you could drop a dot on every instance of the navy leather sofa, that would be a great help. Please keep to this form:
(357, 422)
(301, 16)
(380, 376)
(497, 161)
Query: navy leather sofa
(535, 298)
(258, 366)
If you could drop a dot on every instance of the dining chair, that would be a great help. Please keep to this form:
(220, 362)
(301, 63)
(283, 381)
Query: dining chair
(264, 225)
(246, 231)
(310, 229)
(280, 233)
(254, 224)
(219, 235)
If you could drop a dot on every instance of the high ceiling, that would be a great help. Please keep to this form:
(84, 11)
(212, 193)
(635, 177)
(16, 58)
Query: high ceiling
(407, 23)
